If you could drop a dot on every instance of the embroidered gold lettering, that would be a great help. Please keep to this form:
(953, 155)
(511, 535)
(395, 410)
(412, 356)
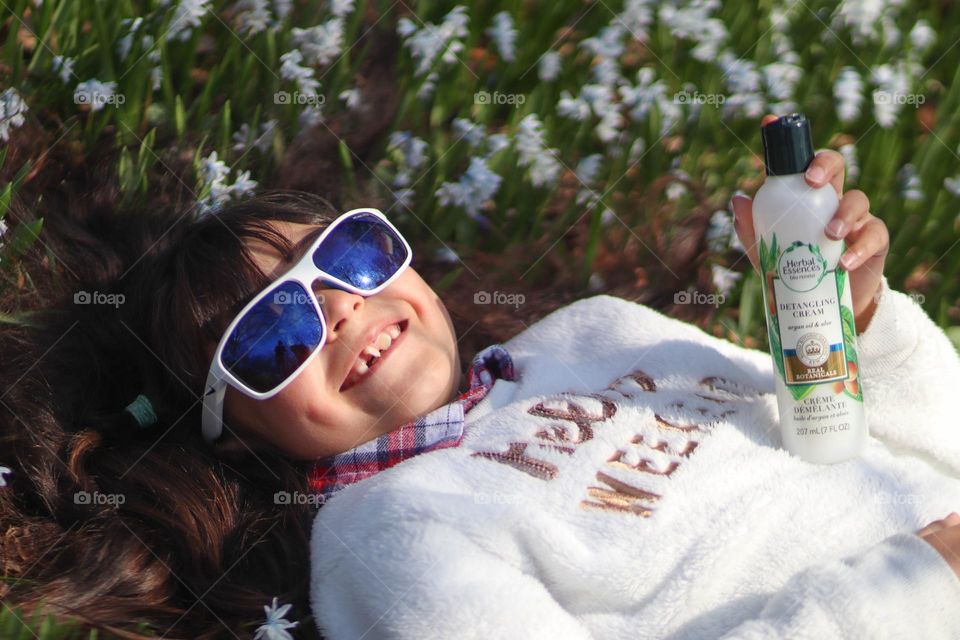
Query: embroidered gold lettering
(516, 457)
(621, 497)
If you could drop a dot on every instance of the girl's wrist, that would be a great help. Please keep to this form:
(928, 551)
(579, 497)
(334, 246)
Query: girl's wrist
(862, 320)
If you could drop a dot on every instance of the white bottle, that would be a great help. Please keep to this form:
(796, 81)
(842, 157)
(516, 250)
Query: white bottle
(807, 303)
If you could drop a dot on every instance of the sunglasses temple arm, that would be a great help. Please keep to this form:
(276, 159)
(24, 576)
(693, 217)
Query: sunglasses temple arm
(215, 390)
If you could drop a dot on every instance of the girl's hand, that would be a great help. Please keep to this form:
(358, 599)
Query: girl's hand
(866, 236)
(944, 536)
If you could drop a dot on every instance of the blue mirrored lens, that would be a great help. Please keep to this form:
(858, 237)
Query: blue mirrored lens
(362, 251)
(273, 338)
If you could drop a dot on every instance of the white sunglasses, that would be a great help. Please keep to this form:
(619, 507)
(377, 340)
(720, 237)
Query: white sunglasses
(282, 328)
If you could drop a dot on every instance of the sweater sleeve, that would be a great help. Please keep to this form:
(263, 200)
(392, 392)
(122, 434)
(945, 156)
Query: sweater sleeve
(900, 588)
(441, 586)
(910, 372)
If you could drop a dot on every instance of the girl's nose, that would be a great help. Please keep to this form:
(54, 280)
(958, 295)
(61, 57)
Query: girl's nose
(338, 307)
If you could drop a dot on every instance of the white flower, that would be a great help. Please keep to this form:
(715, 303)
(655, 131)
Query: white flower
(893, 85)
(922, 36)
(478, 185)
(432, 41)
(291, 69)
(213, 174)
(849, 153)
(322, 43)
(588, 168)
(12, 108)
(403, 197)
(606, 49)
(739, 74)
(570, 107)
(781, 79)
(94, 93)
(282, 8)
(4, 470)
(952, 185)
(862, 18)
(126, 42)
(275, 628)
(446, 254)
(212, 169)
(253, 16)
(310, 116)
(186, 18)
(534, 154)
(724, 279)
(242, 184)
(636, 17)
(496, 142)
(636, 150)
(721, 234)
(63, 66)
(350, 97)
(263, 142)
(848, 93)
(549, 66)
(694, 23)
(341, 8)
(414, 149)
(504, 35)
(675, 190)
(586, 172)
(473, 133)
(610, 124)
(910, 186)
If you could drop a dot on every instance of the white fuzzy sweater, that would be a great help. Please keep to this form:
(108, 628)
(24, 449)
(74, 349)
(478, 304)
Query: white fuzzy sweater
(631, 484)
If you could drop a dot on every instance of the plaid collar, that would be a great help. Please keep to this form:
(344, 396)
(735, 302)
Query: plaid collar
(438, 429)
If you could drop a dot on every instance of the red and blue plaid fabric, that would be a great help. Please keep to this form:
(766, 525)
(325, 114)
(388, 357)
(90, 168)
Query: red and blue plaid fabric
(438, 429)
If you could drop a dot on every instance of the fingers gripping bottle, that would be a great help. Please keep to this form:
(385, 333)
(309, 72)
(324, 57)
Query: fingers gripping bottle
(808, 304)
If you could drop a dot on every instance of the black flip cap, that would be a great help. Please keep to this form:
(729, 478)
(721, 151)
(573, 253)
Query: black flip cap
(787, 145)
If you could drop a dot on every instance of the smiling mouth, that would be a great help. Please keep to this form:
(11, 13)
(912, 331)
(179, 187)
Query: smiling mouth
(374, 353)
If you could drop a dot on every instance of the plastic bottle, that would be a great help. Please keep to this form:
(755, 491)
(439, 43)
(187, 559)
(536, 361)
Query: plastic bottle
(808, 306)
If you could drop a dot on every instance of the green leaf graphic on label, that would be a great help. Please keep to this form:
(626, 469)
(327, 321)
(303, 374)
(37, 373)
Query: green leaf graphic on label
(849, 335)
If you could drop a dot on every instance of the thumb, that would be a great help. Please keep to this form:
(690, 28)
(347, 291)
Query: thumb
(743, 224)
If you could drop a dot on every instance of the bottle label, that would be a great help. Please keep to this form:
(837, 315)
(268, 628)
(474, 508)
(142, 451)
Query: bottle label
(808, 315)
(809, 320)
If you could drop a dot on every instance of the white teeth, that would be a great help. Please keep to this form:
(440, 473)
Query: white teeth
(380, 344)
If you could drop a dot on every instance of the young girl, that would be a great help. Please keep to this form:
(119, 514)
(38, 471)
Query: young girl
(608, 472)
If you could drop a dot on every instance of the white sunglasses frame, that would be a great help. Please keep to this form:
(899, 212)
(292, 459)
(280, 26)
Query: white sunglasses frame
(305, 273)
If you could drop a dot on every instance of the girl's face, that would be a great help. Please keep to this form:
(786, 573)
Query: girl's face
(317, 414)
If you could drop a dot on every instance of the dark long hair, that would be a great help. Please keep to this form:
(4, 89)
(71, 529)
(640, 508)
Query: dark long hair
(114, 524)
